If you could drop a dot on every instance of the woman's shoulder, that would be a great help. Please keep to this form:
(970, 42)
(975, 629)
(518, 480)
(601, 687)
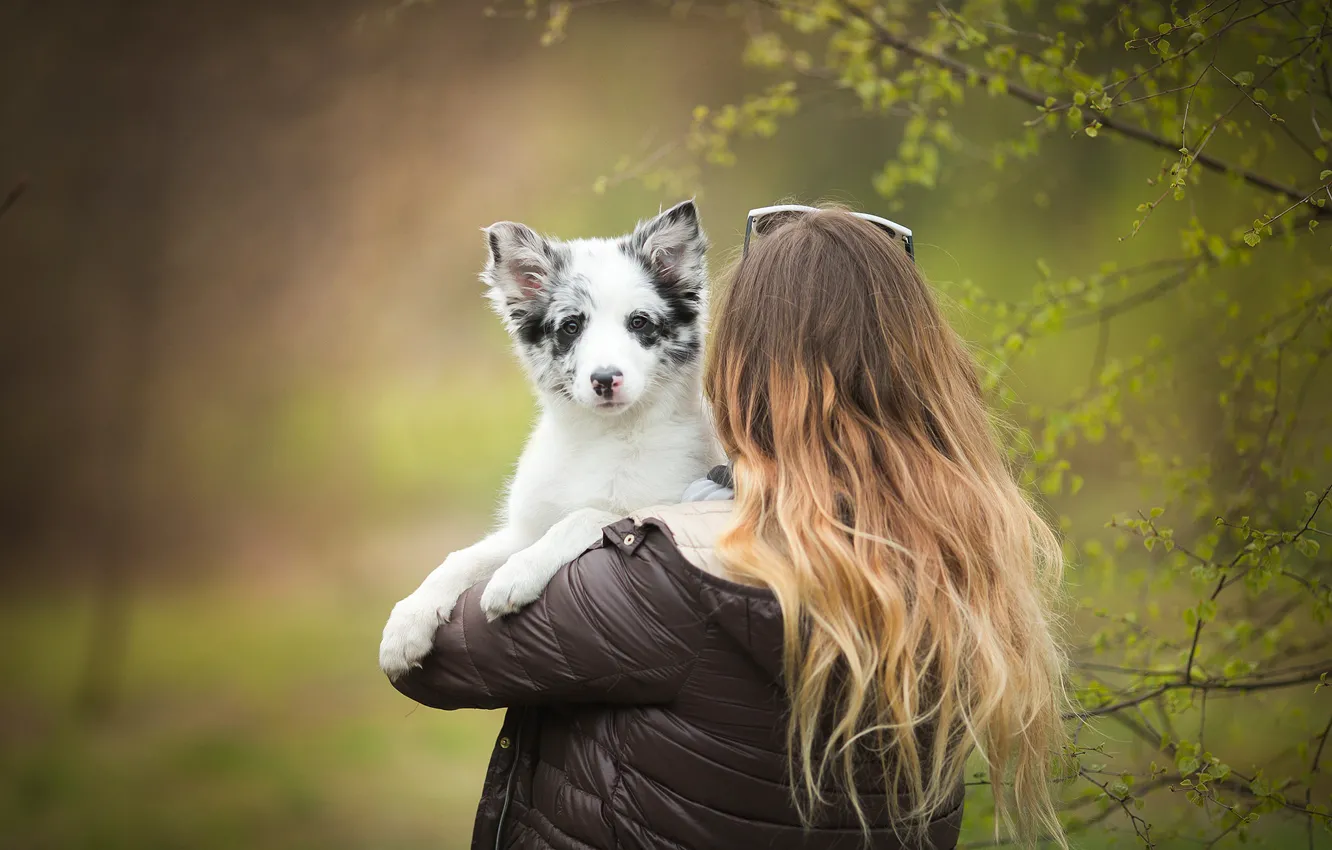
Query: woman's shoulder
(694, 527)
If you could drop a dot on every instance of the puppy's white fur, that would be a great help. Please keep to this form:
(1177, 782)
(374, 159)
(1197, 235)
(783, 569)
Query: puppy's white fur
(640, 304)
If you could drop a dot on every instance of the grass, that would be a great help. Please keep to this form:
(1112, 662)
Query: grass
(245, 719)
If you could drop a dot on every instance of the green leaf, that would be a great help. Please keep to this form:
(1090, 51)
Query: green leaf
(1236, 667)
(1244, 78)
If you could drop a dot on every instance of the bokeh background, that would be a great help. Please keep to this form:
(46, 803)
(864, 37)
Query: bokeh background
(252, 394)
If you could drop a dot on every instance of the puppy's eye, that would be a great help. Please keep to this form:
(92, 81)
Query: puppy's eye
(571, 327)
(637, 323)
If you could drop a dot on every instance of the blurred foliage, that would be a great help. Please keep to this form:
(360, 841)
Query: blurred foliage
(1213, 595)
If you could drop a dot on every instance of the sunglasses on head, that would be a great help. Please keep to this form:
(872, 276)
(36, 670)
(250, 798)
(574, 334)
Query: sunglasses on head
(766, 219)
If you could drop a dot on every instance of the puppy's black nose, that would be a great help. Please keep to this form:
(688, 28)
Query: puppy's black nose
(606, 381)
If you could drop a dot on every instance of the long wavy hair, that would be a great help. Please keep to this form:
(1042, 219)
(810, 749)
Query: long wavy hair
(916, 580)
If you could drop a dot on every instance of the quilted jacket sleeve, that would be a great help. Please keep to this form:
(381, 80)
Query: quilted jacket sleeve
(611, 627)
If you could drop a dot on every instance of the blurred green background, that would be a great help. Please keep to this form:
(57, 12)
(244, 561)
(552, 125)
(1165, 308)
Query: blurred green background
(252, 394)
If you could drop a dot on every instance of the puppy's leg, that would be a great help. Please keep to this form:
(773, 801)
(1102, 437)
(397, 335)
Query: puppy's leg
(410, 631)
(523, 577)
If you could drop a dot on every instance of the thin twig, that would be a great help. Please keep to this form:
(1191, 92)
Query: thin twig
(1314, 768)
(1197, 629)
(1140, 826)
(1184, 125)
(1202, 722)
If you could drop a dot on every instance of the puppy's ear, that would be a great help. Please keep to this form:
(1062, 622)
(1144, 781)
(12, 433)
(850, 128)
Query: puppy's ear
(519, 262)
(672, 245)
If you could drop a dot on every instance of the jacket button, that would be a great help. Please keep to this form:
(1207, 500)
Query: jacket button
(629, 540)
(504, 743)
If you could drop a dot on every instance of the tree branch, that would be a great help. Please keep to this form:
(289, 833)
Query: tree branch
(962, 71)
(1242, 686)
(1137, 299)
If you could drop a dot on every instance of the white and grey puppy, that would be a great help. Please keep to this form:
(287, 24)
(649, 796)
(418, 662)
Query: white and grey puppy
(610, 331)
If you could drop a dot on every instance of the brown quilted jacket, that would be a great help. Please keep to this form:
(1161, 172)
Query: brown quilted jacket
(644, 705)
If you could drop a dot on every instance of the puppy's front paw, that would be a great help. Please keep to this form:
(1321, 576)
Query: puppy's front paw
(514, 585)
(409, 634)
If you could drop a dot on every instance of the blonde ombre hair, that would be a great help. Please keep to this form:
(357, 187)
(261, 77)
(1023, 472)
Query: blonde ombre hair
(872, 497)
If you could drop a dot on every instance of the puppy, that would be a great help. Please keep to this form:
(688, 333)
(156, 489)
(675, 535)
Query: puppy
(610, 332)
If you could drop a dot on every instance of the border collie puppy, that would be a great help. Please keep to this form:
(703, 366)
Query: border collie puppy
(610, 332)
